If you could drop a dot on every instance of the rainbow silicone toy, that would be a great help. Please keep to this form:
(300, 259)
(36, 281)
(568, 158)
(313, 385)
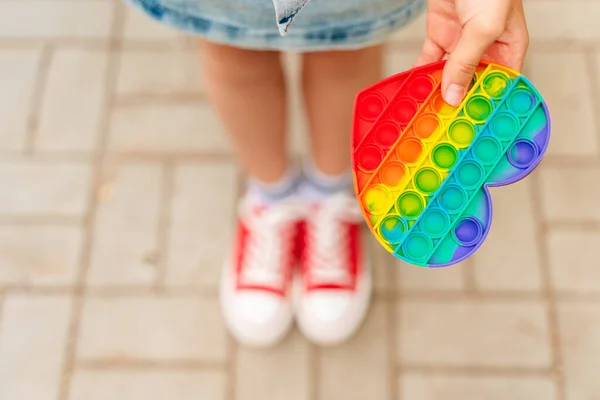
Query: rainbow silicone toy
(422, 167)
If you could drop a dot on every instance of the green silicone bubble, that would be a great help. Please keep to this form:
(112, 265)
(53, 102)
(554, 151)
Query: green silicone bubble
(410, 204)
(452, 198)
(487, 150)
(504, 125)
(418, 246)
(393, 228)
(444, 155)
(495, 84)
(428, 180)
(478, 108)
(521, 101)
(469, 174)
(435, 223)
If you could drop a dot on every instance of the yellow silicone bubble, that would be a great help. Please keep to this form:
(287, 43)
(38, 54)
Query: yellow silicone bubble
(495, 84)
(461, 132)
(377, 199)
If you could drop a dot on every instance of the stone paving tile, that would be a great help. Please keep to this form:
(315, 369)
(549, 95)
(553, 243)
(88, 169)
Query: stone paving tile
(398, 60)
(573, 260)
(138, 26)
(128, 213)
(574, 130)
(167, 128)
(122, 329)
(159, 72)
(39, 254)
(18, 70)
(571, 20)
(358, 369)
(509, 259)
(413, 32)
(580, 344)
(383, 266)
(569, 195)
(596, 66)
(279, 373)
(157, 113)
(202, 213)
(440, 386)
(148, 385)
(59, 188)
(55, 19)
(72, 100)
(33, 336)
(413, 278)
(473, 333)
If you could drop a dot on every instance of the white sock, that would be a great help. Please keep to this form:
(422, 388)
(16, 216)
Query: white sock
(269, 193)
(317, 185)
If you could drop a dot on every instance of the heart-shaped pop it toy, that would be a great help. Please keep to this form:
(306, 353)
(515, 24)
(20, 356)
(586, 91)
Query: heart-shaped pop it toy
(422, 167)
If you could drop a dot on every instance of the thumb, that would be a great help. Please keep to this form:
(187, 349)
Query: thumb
(464, 59)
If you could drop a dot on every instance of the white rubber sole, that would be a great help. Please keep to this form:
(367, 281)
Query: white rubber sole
(332, 336)
(258, 337)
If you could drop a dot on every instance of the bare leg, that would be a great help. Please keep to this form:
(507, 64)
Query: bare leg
(331, 81)
(247, 89)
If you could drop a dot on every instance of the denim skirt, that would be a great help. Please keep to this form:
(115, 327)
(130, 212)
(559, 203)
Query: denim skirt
(317, 24)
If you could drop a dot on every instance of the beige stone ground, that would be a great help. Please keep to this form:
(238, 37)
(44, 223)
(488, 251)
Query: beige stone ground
(110, 247)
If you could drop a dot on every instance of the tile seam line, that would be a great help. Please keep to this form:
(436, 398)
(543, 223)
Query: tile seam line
(47, 55)
(111, 77)
(548, 291)
(591, 67)
(164, 223)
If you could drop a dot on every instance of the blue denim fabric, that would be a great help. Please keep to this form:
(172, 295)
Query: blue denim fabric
(254, 24)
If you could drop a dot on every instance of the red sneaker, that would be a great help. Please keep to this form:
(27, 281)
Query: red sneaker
(256, 281)
(335, 280)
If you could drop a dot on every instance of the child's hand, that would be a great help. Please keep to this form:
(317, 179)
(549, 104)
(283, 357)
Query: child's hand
(465, 31)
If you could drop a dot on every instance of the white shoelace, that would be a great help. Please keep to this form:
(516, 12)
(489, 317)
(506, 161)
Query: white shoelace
(271, 238)
(328, 236)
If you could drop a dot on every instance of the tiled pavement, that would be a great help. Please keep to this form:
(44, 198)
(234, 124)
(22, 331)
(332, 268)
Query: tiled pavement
(110, 246)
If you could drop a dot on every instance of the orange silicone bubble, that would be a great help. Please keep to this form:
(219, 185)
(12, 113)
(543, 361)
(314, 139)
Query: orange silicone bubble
(410, 150)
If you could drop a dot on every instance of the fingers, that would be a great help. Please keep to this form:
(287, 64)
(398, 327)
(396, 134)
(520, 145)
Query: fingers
(464, 59)
(430, 53)
(514, 56)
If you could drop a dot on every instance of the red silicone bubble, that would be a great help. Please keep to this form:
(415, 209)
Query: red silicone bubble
(371, 106)
(420, 88)
(404, 110)
(387, 133)
(369, 157)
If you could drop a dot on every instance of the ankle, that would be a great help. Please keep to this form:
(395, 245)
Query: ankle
(272, 192)
(317, 185)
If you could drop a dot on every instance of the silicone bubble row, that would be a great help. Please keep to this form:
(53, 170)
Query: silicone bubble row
(389, 175)
(417, 89)
(419, 241)
(436, 223)
(432, 152)
(444, 156)
(384, 133)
